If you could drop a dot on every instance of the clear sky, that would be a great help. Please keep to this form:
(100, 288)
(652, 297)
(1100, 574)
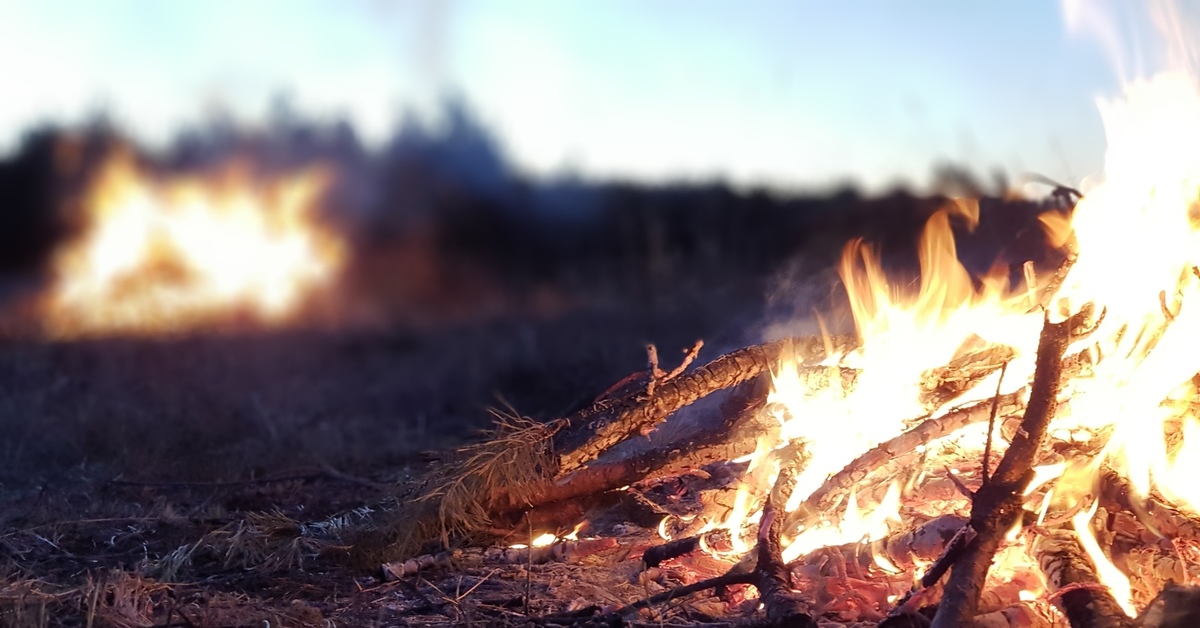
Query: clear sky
(790, 92)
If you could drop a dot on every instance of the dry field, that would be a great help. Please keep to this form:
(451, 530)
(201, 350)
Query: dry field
(161, 482)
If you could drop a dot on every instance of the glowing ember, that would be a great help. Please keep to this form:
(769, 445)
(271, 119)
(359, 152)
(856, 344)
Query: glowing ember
(161, 255)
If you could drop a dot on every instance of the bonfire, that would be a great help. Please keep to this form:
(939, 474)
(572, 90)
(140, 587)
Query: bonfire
(979, 451)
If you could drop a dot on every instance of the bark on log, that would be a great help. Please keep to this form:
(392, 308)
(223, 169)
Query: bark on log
(1151, 541)
(1019, 615)
(1086, 602)
(945, 383)
(733, 436)
(1160, 517)
(997, 504)
(586, 434)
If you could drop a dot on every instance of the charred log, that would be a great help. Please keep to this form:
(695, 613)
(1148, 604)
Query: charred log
(1159, 517)
(944, 383)
(658, 554)
(1019, 615)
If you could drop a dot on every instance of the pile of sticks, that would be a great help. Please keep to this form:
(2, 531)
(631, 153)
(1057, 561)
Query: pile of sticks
(569, 475)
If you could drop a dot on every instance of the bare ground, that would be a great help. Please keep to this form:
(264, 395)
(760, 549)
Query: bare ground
(146, 482)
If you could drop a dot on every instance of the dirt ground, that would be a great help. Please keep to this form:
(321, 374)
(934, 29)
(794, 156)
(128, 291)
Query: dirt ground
(142, 480)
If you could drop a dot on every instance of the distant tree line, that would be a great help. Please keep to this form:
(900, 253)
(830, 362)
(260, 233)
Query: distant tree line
(439, 205)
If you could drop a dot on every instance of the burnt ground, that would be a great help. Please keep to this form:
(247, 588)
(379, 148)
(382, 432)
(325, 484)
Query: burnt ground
(136, 473)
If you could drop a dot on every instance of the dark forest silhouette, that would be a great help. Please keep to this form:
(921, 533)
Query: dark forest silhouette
(438, 215)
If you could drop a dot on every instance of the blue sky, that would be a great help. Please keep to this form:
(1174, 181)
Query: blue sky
(795, 93)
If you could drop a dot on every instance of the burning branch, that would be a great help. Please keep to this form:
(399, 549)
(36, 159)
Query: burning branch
(525, 463)
(886, 453)
(996, 507)
(773, 579)
(898, 552)
(656, 555)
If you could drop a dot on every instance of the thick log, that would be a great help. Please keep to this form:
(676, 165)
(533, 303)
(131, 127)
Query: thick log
(1019, 615)
(1161, 518)
(945, 383)
(997, 504)
(1152, 541)
(1070, 574)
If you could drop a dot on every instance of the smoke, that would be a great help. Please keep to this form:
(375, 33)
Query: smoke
(1139, 39)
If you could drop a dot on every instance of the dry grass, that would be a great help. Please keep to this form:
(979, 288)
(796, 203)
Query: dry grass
(514, 456)
(27, 602)
(121, 599)
(454, 503)
(195, 431)
(267, 542)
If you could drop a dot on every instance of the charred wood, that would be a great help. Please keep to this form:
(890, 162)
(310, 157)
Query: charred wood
(997, 504)
(899, 552)
(1177, 606)
(773, 579)
(641, 510)
(1159, 517)
(945, 383)
(1071, 575)
(656, 555)
(1019, 615)
(586, 434)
